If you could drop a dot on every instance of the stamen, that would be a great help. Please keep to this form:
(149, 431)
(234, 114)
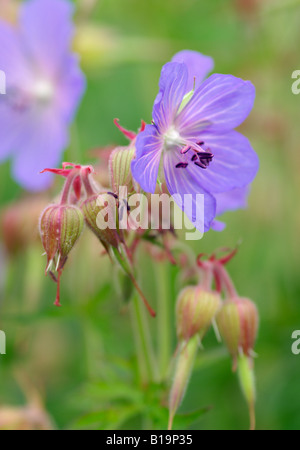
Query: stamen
(113, 195)
(181, 165)
(185, 149)
(200, 164)
(202, 159)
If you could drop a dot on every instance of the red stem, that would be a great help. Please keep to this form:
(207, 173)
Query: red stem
(225, 280)
(86, 182)
(151, 311)
(67, 187)
(57, 300)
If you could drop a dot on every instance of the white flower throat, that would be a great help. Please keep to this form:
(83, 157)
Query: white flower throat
(22, 98)
(172, 138)
(43, 90)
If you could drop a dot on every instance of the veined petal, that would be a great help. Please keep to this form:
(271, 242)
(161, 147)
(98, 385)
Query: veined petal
(232, 200)
(46, 28)
(145, 167)
(172, 85)
(179, 181)
(234, 164)
(42, 145)
(220, 104)
(198, 65)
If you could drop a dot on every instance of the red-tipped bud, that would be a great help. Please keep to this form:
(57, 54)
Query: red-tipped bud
(60, 228)
(196, 307)
(238, 324)
(100, 213)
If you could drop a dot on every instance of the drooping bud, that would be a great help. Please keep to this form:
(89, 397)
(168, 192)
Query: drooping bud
(238, 324)
(184, 365)
(100, 213)
(196, 307)
(60, 228)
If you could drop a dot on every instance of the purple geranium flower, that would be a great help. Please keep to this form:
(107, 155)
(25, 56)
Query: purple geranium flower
(44, 87)
(193, 133)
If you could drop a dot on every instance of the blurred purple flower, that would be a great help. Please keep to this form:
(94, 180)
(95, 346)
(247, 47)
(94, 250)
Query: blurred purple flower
(192, 130)
(230, 201)
(44, 87)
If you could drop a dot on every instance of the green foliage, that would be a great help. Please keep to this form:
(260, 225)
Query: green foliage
(82, 357)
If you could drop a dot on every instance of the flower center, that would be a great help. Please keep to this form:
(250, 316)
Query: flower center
(172, 138)
(195, 153)
(43, 90)
(21, 99)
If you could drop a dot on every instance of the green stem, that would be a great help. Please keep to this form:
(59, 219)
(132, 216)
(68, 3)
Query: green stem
(146, 358)
(163, 318)
(184, 365)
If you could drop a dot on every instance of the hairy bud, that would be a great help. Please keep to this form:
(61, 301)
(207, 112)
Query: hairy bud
(100, 213)
(196, 307)
(60, 228)
(120, 169)
(238, 323)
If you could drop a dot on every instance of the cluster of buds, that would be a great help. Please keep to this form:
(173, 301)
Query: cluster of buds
(83, 201)
(214, 301)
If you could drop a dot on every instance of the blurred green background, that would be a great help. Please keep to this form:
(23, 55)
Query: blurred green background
(76, 362)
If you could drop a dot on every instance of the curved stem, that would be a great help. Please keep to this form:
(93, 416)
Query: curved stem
(226, 281)
(86, 182)
(67, 187)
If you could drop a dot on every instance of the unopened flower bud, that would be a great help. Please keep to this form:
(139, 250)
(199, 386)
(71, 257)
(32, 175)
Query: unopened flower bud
(60, 228)
(238, 323)
(100, 213)
(120, 169)
(196, 307)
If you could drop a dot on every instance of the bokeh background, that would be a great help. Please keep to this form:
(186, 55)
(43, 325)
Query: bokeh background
(73, 367)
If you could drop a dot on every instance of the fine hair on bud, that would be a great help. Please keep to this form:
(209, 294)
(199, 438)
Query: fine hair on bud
(238, 324)
(195, 309)
(94, 212)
